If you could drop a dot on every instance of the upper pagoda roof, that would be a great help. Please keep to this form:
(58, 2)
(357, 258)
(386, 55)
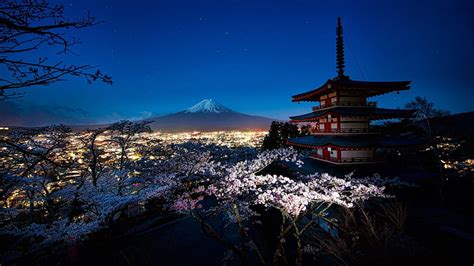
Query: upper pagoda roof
(371, 112)
(344, 83)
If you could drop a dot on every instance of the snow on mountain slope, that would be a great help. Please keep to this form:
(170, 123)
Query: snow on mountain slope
(207, 106)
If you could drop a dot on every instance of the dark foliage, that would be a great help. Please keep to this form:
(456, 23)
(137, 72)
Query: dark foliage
(280, 132)
(425, 109)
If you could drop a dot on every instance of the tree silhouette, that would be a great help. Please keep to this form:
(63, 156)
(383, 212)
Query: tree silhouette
(425, 109)
(280, 132)
(124, 134)
(31, 26)
(424, 112)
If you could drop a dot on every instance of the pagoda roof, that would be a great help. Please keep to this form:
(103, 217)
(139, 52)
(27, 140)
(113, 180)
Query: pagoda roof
(355, 141)
(344, 83)
(371, 112)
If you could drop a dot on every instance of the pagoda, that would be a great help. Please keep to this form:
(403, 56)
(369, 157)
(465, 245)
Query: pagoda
(340, 130)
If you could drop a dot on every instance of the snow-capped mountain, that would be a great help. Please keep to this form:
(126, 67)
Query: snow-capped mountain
(207, 106)
(209, 115)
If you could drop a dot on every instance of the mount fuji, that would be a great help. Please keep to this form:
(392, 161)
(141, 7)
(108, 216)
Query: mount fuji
(209, 115)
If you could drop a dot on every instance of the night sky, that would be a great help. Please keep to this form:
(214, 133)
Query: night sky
(165, 56)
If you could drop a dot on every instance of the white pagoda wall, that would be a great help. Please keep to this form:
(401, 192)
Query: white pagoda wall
(319, 151)
(357, 153)
(354, 123)
(361, 125)
(354, 119)
(359, 99)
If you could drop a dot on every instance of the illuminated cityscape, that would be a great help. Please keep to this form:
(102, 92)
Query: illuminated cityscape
(75, 149)
(460, 167)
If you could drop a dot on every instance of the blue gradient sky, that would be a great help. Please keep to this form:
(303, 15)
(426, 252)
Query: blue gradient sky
(165, 56)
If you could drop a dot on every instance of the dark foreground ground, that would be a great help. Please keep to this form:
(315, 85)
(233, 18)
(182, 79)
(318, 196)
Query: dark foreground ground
(180, 242)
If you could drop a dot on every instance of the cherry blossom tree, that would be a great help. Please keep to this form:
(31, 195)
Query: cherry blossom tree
(300, 200)
(93, 161)
(125, 134)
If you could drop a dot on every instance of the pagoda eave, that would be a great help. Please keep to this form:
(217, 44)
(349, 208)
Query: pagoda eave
(309, 146)
(368, 88)
(354, 116)
(353, 142)
(371, 113)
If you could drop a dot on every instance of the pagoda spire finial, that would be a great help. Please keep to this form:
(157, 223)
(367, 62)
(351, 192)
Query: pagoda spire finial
(340, 63)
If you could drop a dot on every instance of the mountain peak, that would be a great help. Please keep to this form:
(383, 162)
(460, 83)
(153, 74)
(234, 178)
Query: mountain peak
(207, 106)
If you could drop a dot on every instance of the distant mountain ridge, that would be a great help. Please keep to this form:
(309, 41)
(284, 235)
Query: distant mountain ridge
(209, 115)
(456, 125)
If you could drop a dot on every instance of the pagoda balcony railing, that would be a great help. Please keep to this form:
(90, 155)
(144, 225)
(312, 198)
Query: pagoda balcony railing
(316, 130)
(343, 160)
(326, 158)
(346, 103)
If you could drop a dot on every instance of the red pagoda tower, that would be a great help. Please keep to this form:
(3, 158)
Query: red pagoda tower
(340, 125)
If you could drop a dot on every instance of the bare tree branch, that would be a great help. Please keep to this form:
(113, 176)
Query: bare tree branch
(30, 25)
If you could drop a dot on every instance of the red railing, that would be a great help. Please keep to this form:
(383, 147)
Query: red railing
(345, 130)
(318, 156)
(346, 103)
(343, 160)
